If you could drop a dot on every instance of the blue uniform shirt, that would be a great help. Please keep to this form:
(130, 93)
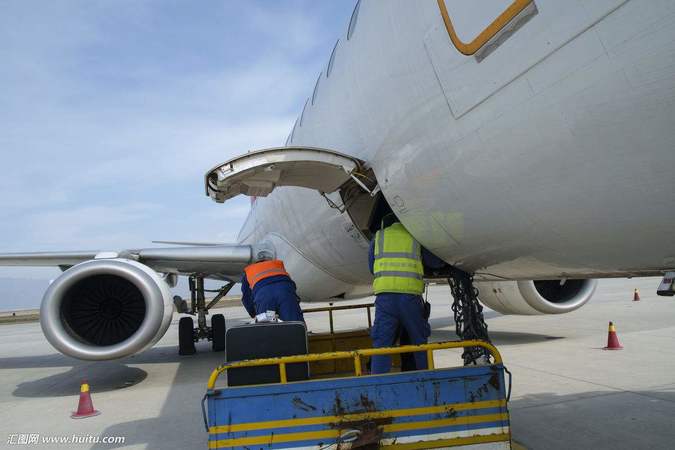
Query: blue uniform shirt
(275, 293)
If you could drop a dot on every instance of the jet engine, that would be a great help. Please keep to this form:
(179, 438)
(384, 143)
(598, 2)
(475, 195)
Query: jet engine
(106, 309)
(535, 297)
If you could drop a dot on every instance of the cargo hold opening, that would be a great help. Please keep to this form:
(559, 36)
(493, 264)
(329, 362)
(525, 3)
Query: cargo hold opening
(365, 210)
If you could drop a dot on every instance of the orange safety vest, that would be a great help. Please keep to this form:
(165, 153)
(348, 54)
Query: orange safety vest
(264, 269)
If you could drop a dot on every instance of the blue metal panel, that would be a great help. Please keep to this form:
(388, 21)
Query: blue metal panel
(448, 403)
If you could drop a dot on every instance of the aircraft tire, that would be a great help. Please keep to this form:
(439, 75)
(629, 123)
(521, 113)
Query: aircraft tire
(186, 343)
(218, 332)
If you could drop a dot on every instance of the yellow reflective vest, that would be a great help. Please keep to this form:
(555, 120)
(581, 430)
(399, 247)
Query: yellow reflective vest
(398, 262)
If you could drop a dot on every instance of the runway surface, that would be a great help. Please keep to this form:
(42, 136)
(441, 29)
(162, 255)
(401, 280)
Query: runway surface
(567, 392)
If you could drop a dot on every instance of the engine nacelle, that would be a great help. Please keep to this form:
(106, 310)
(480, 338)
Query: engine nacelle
(535, 297)
(106, 309)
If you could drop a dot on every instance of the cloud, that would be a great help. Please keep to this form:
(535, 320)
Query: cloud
(113, 112)
(90, 227)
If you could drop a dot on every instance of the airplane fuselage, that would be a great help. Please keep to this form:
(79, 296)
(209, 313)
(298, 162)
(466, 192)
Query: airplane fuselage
(549, 157)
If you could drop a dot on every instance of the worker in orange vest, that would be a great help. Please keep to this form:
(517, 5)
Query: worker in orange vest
(266, 286)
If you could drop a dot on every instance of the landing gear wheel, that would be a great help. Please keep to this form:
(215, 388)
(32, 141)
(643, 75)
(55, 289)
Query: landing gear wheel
(218, 332)
(186, 342)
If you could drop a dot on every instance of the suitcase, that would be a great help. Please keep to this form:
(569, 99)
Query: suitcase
(266, 340)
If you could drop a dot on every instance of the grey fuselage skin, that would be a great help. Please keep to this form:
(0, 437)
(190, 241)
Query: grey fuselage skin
(550, 157)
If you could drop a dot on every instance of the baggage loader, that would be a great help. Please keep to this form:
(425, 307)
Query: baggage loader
(459, 407)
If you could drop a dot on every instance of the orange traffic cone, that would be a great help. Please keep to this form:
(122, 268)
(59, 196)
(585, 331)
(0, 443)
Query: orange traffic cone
(636, 295)
(85, 408)
(612, 339)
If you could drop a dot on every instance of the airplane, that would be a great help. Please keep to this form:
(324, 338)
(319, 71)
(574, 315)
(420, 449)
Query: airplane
(527, 143)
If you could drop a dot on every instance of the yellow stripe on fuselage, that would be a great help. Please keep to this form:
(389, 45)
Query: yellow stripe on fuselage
(319, 420)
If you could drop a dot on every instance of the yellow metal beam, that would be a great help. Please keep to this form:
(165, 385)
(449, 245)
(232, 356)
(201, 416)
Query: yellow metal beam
(355, 417)
(357, 354)
(277, 438)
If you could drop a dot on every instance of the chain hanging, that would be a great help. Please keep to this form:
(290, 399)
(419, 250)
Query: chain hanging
(468, 313)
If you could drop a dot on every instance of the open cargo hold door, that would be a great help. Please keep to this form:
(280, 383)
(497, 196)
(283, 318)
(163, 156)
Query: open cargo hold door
(258, 173)
(347, 183)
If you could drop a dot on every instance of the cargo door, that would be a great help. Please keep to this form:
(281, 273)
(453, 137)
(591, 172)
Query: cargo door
(259, 172)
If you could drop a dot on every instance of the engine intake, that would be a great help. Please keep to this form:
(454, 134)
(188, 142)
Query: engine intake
(103, 309)
(536, 297)
(106, 309)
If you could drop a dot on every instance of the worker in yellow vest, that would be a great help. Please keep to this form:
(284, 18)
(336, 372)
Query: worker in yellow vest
(396, 262)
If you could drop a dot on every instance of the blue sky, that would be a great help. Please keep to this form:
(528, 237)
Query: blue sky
(112, 111)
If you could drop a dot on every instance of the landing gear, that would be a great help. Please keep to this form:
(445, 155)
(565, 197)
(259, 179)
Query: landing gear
(468, 312)
(186, 341)
(187, 333)
(218, 332)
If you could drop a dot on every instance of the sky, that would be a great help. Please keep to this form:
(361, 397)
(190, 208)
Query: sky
(111, 112)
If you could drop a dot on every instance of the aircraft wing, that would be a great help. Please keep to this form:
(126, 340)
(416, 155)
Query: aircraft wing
(46, 258)
(223, 261)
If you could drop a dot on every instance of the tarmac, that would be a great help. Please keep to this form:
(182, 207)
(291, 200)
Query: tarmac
(568, 393)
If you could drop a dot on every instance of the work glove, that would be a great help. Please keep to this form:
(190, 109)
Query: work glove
(267, 316)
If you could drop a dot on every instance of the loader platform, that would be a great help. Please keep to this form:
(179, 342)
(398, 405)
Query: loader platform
(457, 407)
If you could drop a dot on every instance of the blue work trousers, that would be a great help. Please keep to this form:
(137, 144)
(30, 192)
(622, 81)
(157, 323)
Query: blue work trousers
(392, 313)
(280, 297)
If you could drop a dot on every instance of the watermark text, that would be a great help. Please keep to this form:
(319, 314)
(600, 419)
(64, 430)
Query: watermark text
(73, 439)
